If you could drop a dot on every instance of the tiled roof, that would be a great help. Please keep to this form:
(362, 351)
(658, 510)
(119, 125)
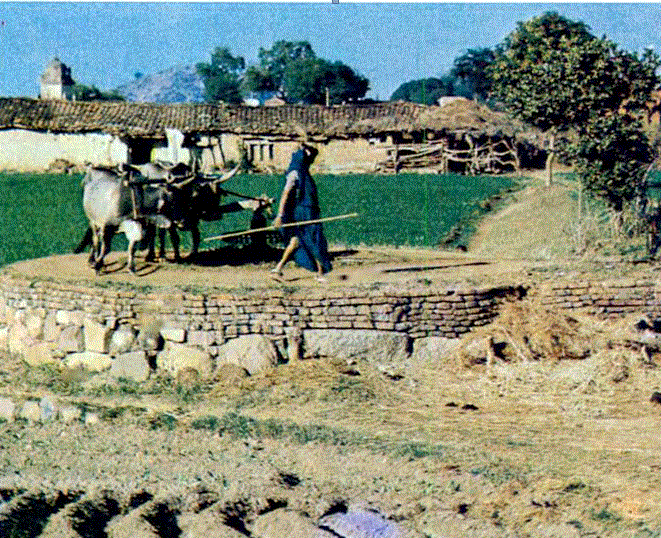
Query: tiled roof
(151, 120)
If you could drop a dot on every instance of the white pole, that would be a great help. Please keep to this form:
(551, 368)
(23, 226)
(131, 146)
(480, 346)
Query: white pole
(288, 225)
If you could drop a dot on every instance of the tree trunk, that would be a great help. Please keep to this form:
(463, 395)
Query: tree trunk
(550, 159)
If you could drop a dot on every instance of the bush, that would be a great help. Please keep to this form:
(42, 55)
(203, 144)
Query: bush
(611, 155)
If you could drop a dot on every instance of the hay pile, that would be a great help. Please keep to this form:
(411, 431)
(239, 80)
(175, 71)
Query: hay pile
(526, 331)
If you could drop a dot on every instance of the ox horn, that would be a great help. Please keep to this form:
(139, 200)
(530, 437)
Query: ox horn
(183, 182)
(227, 176)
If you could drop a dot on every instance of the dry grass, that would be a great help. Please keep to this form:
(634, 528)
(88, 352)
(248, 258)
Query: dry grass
(554, 224)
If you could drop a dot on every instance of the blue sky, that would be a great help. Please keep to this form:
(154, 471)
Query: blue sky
(105, 43)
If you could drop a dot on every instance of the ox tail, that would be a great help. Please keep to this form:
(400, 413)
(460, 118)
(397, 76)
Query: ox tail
(85, 242)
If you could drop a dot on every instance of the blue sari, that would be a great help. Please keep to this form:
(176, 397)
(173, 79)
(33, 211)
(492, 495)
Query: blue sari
(301, 205)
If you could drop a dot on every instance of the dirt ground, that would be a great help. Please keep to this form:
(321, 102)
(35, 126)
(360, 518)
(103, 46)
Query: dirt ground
(524, 445)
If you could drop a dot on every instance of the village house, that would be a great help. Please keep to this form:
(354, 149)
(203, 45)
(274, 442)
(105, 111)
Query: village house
(458, 135)
(462, 136)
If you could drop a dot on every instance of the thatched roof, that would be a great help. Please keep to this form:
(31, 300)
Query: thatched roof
(343, 121)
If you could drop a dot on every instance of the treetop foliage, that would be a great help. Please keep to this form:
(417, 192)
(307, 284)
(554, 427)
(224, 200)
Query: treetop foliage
(222, 77)
(553, 73)
(471, 68)
(611, 158)
(425, 91)
(81, 92)
(289, 68)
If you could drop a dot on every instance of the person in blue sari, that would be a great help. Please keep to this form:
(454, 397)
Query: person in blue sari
(298, 202)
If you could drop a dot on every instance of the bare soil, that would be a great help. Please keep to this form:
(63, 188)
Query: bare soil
(526, 445)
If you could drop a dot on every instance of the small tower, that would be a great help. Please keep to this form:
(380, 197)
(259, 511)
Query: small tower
(56, 81)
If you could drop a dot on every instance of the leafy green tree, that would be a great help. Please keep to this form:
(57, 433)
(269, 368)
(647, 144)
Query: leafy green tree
(293, 71)
(425, 91)
(611, 157)
(312, 80)
(269, 74)
(222, 77)
(553, 73)
(81, 92)
(472, 69)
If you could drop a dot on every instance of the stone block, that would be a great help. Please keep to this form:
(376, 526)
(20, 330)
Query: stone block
(69, 413)
(91, 419)
(209, 523)
(176, 357)
(4, 338)
(149, 336)
(132, 365)
(203, 339)
(39, 353)
(122, 339)
(171, 333)
(9, 315)
(47, 409)
(30, 411)
(19, 316)
(51, 330)
(373, 345)
(255, 353)
(284, 523)
(97, 336)
(90, 360)
(362, 523)
(7, 410)
(18, 339)
(34, 324)
(66, 317)
(434, 350)
(71, 339)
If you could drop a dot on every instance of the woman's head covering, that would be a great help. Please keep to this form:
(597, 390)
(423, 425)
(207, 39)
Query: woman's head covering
(297, 162)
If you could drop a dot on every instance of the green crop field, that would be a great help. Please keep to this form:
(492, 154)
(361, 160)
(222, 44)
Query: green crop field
(42, 215)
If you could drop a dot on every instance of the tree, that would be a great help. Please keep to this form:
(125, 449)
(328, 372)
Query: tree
(425, 91)
(273, 62)
(293, 71)
(316, 81)
(81, 92)
(222, 77)
(554, 74)
(611, 156)
(472, 69)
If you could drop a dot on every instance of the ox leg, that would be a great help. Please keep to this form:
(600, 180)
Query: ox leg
(105, 234)
(85, 241)
(134, 233)
(161, 242)
(150, 242)
(174, 239)
(195, 240)
(94, 249)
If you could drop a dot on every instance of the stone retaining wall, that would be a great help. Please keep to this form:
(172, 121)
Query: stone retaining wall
(132, 332)
(610, 298)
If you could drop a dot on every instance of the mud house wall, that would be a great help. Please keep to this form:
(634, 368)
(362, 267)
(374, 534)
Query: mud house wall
(34, 151)
(354, 155)
(336, 156)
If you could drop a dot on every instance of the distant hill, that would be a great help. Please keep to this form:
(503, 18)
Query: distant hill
(179, 84)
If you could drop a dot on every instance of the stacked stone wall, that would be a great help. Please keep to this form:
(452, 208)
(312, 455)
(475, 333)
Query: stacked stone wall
(610, 298)
(106, 327)
(133, 331)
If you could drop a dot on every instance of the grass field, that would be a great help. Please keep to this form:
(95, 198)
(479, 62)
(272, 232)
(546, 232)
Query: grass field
(42, 215)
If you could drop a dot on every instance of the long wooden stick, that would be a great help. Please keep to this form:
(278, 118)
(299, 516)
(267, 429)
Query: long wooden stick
(288, 225)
